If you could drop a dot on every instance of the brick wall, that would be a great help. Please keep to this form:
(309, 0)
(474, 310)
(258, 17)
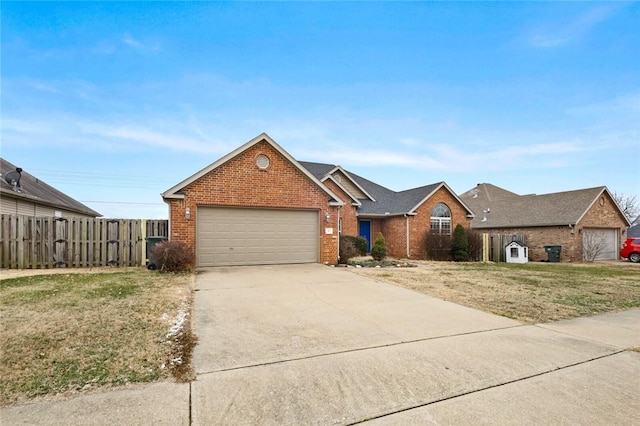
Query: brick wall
(539, 237)
(394, 229)
(240, 183)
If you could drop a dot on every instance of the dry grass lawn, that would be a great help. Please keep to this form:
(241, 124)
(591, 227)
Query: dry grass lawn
(73, 332)
(532, 293)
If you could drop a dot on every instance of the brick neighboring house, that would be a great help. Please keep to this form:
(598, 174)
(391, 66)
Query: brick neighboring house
(258, 205)
(575, 220)
(23, 194)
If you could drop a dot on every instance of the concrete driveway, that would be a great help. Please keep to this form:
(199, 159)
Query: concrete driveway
(309, 344)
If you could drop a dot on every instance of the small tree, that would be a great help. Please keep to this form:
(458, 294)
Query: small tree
(379, 249)
(460, 244)
(629, 205)
(593, 244)
(475, 245)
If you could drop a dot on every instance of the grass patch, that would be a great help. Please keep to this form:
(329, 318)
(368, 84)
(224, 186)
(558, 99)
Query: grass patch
(68, 333)
(532, 293)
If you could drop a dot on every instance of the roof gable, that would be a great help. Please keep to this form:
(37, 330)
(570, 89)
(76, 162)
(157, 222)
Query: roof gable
(325, 171)
(175, 191)
(37, 191)
(381, 201)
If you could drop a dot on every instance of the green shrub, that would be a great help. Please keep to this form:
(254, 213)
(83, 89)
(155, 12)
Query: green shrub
(379, 249)
(173, 256)
(460, 244)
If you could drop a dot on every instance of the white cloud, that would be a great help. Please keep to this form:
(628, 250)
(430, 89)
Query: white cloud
(562, 33)
(134, 43)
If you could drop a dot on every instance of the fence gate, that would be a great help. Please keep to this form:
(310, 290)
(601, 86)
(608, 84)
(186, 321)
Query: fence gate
(498, 242)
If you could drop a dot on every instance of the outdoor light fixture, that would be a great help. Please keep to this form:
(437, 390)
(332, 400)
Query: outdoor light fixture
(187, 213)
(327, 217)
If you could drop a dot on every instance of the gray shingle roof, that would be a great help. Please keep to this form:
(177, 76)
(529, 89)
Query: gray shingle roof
(35, 190)
(506, 211)
(386, 201)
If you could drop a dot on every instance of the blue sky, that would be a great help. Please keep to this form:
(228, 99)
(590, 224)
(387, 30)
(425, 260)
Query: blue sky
(114, 103)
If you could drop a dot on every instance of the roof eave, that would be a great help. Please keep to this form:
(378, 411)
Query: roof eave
(37, 200)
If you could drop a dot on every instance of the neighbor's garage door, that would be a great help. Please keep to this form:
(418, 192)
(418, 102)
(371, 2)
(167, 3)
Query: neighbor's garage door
(601, 243)
(236, 236)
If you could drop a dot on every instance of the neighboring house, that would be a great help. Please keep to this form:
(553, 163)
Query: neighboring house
(584, 222)
(259, 205)
(634, 230)
(23, 194)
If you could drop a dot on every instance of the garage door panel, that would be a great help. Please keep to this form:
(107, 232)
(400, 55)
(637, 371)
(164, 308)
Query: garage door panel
(236, 236)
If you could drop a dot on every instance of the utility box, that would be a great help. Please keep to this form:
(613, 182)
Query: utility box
(152, 264)
(553, 253)
(516, 252)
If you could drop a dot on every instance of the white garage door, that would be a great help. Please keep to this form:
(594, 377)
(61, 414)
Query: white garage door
(237, 236)
(600, 244)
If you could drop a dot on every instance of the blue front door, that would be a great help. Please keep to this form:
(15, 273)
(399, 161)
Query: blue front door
(365, 232)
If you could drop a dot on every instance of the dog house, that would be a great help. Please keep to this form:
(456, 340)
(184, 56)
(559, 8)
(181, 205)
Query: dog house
(516, 253)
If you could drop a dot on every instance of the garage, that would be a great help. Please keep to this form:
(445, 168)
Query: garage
(600, 244)
(248, 236)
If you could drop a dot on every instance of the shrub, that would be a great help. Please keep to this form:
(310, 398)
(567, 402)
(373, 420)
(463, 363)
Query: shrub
(379, 249)
(475, 245)
(351, 246)
(460, 244)
(347, 249)
(173, 256)
(360, 244)
(438, 246)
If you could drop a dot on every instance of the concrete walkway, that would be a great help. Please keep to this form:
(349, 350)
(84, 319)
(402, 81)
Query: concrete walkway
(309, 344)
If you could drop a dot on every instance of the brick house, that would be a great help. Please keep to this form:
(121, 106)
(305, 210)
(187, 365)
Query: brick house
(586, 223)
(259, 205)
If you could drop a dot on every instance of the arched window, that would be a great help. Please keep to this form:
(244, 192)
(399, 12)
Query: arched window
(441, 219)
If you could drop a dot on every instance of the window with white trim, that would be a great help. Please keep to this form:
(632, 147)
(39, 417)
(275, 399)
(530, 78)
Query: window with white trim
(441, 219)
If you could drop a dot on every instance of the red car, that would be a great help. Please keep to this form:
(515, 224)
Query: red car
(631, 249)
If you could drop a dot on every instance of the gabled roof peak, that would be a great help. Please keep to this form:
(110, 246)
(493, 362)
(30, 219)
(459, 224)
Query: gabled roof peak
(175, 191)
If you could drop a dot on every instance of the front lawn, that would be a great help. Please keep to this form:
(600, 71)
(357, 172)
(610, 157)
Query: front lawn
(532, 293)
(68, 333)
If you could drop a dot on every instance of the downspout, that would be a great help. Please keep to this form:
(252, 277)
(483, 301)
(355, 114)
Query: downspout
(407, 218)
(338, 245)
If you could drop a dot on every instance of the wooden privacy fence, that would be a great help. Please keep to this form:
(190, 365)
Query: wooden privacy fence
(498, 242)
(28, 242)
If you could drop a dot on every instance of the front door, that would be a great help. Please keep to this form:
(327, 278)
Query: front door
(365, 232)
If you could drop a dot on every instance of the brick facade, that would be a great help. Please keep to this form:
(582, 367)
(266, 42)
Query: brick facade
(394, 228)
(241, 183)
